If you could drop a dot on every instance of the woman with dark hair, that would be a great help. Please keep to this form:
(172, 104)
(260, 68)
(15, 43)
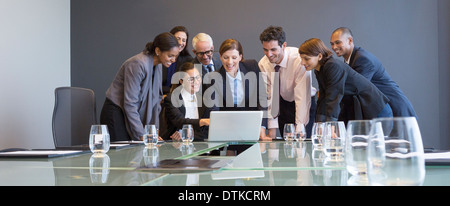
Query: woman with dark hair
(184, 105)
(338, 80)
(133, 98)
(238, 89)
(182, 35)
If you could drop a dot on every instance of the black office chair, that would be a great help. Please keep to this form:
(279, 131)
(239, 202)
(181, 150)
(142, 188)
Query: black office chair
(73, 115)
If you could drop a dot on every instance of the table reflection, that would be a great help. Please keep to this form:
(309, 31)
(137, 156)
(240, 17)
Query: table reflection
(276, 163)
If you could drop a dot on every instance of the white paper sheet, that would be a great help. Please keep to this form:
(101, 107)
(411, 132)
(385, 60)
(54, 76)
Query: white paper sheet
(43, 152)
(437, 155)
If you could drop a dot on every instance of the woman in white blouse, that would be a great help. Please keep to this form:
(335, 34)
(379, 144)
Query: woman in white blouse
(184, 105)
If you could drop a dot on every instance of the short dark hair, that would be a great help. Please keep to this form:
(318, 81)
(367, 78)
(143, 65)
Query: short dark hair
(164, 41)
(344, 30)
(176, 29)
(273, 33)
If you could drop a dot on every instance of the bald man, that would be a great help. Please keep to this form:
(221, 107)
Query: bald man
(370, 67)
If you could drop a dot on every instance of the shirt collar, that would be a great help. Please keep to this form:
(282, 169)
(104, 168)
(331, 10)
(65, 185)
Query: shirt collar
(283, 62)
(238, 75)
(187, 95)
(349, 57)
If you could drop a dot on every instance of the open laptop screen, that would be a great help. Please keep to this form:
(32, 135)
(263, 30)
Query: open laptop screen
(235, 125)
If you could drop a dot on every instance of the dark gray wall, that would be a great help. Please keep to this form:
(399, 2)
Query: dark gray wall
(444, 71)
(402, 33)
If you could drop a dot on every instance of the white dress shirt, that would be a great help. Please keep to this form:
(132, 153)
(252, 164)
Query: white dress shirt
(190, 103)
(295, 84)
(240, 88)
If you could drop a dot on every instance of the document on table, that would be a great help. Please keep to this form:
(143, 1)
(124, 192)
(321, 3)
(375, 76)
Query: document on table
(437, 158)
(437, 155)
(40, 153)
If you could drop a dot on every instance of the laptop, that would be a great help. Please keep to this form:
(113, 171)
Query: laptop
(235, 126)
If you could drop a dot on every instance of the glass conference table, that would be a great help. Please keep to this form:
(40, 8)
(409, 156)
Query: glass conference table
(276, 163)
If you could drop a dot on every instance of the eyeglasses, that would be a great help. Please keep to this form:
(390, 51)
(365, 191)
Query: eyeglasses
(200, 54)
(192, 79)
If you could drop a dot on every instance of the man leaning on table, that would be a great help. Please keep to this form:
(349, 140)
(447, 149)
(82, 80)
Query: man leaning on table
(290, 96)
(366, 64)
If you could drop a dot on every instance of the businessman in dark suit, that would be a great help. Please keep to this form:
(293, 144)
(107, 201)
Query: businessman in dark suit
(370, 67)
(203, 48)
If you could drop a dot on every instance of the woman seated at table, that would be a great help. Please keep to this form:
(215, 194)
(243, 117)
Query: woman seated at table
(184, 105)
(238, 89)
(337, 79)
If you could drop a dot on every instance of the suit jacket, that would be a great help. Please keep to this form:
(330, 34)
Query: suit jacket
(175, 118)
(370, 67)
(178, 63)
(337, 79)
(137, 90)
(255, 98)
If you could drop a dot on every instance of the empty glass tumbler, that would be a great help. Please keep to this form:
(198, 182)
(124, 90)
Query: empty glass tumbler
(356, 146)
(150, 135)
(300, 132)
(317, 133)
(187, 133)
(333, 139)
(289, 132)
(395, 153)
(99, 141)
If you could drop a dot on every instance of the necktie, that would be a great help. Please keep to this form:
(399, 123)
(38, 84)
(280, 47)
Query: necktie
(277, 69)
(209, 68)
(235, 92)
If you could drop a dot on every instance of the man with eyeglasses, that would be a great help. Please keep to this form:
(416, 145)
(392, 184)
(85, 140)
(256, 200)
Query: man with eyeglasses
(203, 48)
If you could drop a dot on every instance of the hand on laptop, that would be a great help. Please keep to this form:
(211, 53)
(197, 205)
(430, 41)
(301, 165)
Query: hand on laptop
(204, 122)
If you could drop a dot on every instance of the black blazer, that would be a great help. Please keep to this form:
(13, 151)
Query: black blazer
(179, 62)
(337, 79)
(175, 119)
(370, 67)
(255, 99)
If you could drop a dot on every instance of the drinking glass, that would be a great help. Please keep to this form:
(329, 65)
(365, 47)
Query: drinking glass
(316, 134)
(187, 133)
(334, 139)
(395, 153)
(300, 132)
(99, 141)
(289, 132)
(150, 135)
(151, 156)
(99, 164)
(356, 146)
(290, 150)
